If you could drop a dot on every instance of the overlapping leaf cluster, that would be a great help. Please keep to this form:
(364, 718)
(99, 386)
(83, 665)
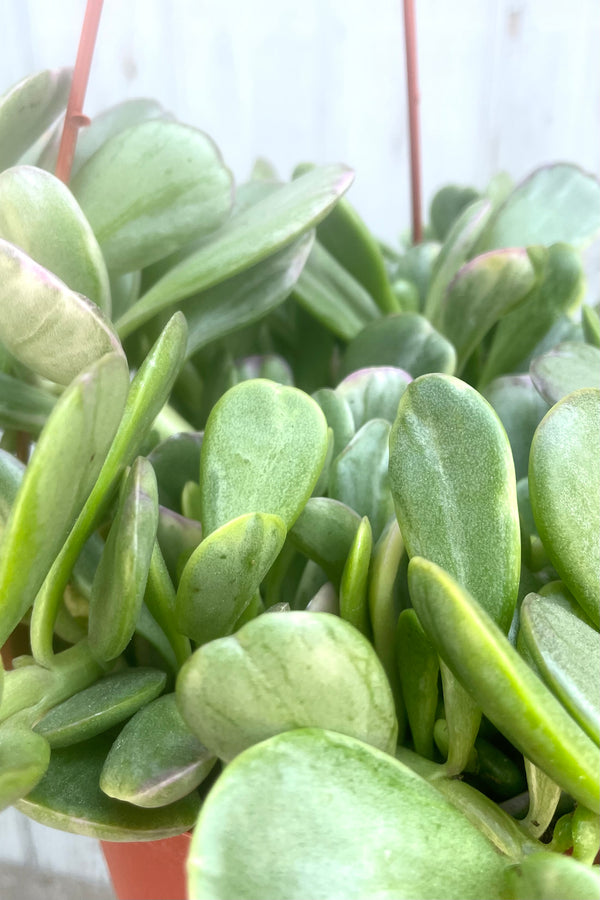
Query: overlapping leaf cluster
(307, 542)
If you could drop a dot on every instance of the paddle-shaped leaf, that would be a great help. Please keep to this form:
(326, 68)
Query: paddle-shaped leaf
(67, 459)
(147, 395)
(325, 531)
(224, 573)
(278, 673)
(550, 876)
(564, 488)
(85, 809)
(446, 207)
(39, 214)
(120, 580)
(156, 759)
(373, 393)
(245, 240)
(328, 291)
(176, 461)
(28, 109)
(510, 694)
(330, 790)
(566, 368)
(354, 607)
(339, 417)
(406, 341)
(264, 448)
(567, 653)
(520, 409)
(419, 671)
(556, 203)
(97, 708)
(44, 324)
(151, 189)
(558, 291)
(483, 291)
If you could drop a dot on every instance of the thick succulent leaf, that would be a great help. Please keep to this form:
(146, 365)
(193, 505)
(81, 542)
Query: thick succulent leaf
(564, 488)
(590, 320)
(339, 417)
(455, 251)
(24, 758)
(45, 324)
(263, 451)
(97, 708)
(419, 670)
(567, 654)
(23, 406)
(120, 580)
(278, 673)
(566, 368)
(105, 125)
(85, 809)
(151, 189)
(333, 296)
(359, 475)
(446, 207)
(459, 514)
(67, 459)
(550, 876)
(501, 682)
(363, 824)
(325, 531)
(248, 238)
(483, 291)
(416, 267)
(247, 297)
(39, 214)
(556, 203)
(353, 601)
(520, 408)
(156, 759)
(11, 475)
(177, 537)
(557, 292)
(373, 393)
(224, 573)
(406, 341)
(28, 109)
(147, 395)
(175, 461)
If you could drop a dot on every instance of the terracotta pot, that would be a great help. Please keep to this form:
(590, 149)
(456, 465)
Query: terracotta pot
(148, 870)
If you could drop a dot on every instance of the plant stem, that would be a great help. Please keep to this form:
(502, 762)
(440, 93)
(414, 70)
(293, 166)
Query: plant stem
(74, 117)
(410, 42)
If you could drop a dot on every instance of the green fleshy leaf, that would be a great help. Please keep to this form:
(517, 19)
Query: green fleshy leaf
(11, 475)
(324, 531)
(176, 461)
(566, 368)
(39, 214)
(177, 537)
(567, 654)
(406, 341)
(329, 788)
(147, 395)
(224, 573)
(446, 207)
(373, 393)
(263, 229)
(85, 809)
(189, 194)
(359, 475)
(564, 488)
(483, 291)
(520, 408)
(97, 708)
(557, 292)
(417, 266)
(510, 694)
(419, 669)
(264, 448)
(550, 876)
(556, 203)
(63, 470)
(156, 759)
(28, 109)
(353, 587)
(328, 291)
(64, 332)
(591, 324)
(120, 580)
(339, 417)
(278, 673)
(23, 406)
(24, 758)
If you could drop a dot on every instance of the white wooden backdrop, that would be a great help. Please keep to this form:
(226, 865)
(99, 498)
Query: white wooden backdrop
(505, 84)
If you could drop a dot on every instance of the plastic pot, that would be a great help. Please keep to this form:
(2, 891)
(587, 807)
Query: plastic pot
(148, 870)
